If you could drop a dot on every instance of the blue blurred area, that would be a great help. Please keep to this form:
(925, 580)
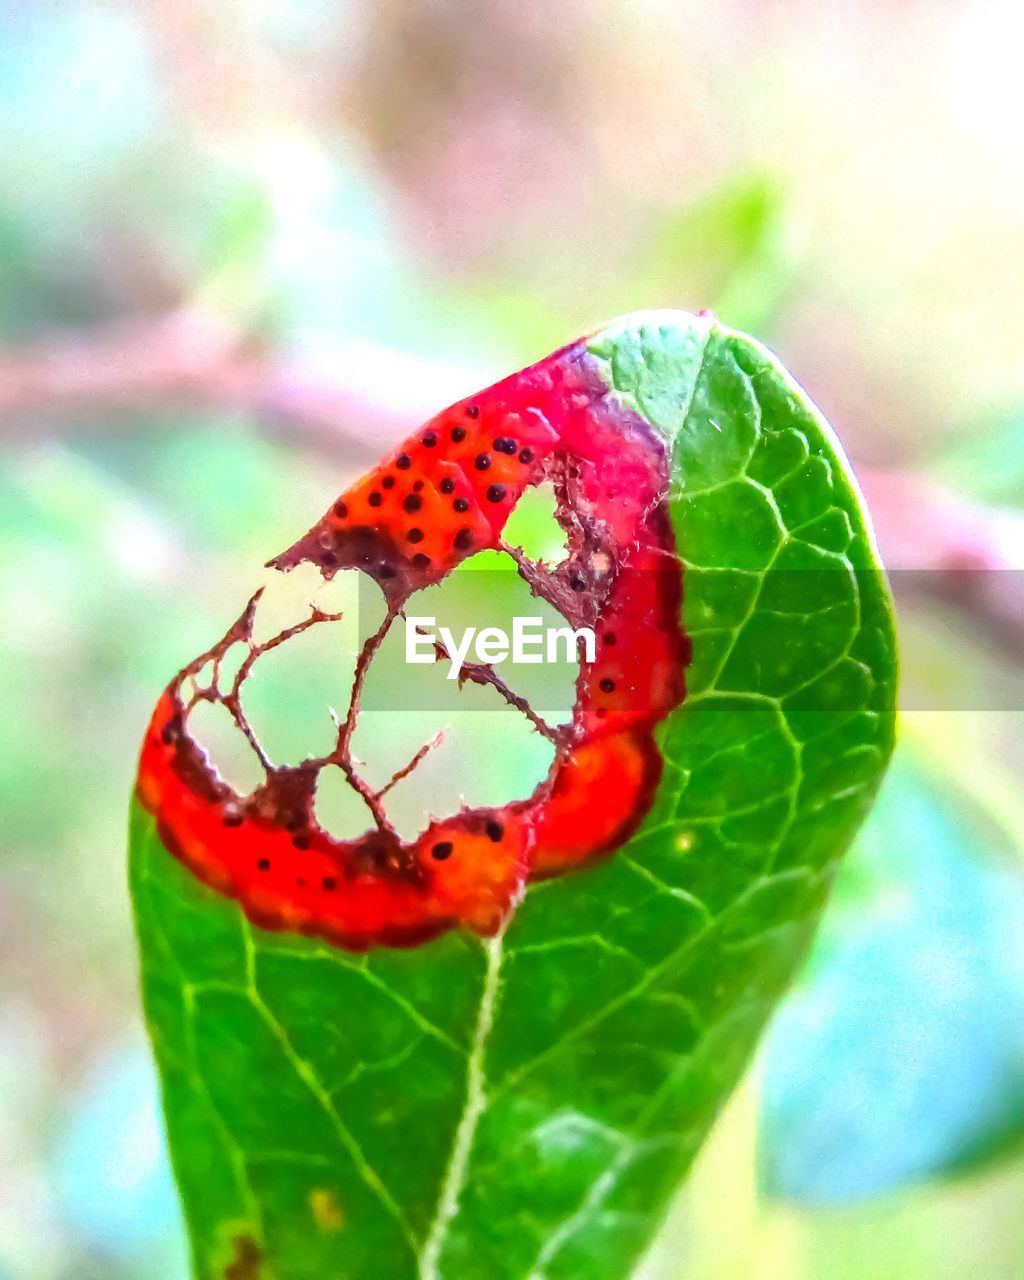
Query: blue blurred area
(103, 94)
(111, 1170)
(901, 1055)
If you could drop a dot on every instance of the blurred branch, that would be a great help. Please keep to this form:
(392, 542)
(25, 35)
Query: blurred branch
(940, 546)
(173, 356)
(192, 357)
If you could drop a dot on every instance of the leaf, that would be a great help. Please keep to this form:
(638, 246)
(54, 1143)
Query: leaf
(522, 1107)
(899, 1056)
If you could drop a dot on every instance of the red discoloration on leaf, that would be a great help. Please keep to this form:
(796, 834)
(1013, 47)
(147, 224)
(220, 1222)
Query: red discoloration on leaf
(246, 1263)
(445, 494)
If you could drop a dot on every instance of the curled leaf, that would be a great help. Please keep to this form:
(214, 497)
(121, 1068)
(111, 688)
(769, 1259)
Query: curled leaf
(493, 1048)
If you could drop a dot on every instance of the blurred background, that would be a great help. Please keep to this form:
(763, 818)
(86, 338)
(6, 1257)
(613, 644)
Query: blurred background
(245, 246)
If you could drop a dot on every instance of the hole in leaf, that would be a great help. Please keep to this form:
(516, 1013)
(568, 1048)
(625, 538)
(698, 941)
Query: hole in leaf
(203, 678)
(479, 744)
(302, 681)
(533, 526)
(229, 665)
(291, 690)
(487, 591)
(212, 728)
(422, 743)
(337, 807)
(483, 753)
(285, 599)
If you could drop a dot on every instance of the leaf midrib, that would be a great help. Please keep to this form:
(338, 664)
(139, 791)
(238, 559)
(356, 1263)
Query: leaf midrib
(456, 1173)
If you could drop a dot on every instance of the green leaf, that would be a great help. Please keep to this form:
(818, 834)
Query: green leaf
(522, 1108)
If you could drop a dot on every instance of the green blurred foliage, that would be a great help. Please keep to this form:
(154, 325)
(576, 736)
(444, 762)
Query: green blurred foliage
(989, 463)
